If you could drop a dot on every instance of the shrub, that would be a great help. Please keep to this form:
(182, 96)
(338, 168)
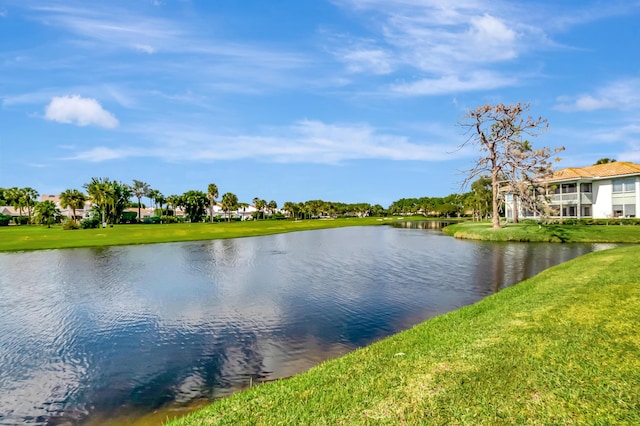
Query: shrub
(69, 224)
(171, 219)
(90, 223)
(21, 220)
(128, 217)
(4, 219)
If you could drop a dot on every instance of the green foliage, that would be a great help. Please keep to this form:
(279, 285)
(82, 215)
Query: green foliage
(110, 198)
(195, 205)
(229, 203)
(449, 206)
(5, 219)
(90, 223)
(73, 199)
(171, 219)
(605, 160)
(129, 217)
(46, 213)
(21, 220)
(69, 224)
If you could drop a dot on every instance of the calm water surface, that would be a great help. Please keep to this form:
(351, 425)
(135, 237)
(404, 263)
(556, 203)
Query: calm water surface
(119, 333)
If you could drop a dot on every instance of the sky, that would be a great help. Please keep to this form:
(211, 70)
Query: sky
(290, 100)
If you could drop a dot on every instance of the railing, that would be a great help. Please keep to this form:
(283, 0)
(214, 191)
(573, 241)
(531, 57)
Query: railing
(572, 198)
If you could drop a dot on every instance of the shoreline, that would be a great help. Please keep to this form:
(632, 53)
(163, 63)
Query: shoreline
(537, 352)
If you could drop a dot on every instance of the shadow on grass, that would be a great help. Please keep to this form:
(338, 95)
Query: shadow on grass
(558, 232)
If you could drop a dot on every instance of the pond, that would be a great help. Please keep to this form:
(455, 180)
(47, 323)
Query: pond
(118, 334)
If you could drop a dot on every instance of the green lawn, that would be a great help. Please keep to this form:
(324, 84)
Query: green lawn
(560, 348)
(14, 238)
(546, 233)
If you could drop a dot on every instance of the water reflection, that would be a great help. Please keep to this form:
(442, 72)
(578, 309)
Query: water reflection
(422, 224)
(95, 333)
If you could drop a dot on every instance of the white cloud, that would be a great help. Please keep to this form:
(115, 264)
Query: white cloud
(144, 48)
(306, 141)
(456, 46)
(454, 84)
(375, 61)
(100, 154)
(79, 111)
(623, 95)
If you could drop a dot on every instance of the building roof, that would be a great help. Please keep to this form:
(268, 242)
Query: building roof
(50, 197)
(597, 171)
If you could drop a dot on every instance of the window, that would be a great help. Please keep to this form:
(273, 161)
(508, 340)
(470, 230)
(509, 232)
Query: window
(630, 210)
(617, 210)
(568, 188)
(624, 185)
(585, 187)
(586, 211)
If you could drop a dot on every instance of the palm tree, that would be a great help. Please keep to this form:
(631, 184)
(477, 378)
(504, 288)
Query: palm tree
(73, 199)
(30, 196)
(152, 194)
(195, 204)
(101, 193)
(273, 206)
(291, 208)
(229, 202)
(13, 196)
(173, 201)
(260, 205)
(243, 206)
(212, 194)
(159, 200)
(140, 189)
(46, 212)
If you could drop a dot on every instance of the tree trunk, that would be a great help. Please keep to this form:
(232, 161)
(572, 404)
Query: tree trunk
(515, 208)
(495, 219)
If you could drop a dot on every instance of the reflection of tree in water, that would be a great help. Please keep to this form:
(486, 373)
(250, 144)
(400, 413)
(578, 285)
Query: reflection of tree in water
(180, 369)
(509, 263)
(422, 224)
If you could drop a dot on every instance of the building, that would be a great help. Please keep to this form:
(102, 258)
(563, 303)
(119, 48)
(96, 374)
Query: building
(599, 191)
(68, 212)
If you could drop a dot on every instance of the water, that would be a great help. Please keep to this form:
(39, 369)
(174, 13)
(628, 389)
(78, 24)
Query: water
(90, 335)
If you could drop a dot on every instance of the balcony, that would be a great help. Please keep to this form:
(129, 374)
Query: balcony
(572, 198)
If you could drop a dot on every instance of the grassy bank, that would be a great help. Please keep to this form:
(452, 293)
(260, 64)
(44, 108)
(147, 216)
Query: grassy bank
(546, 233)
(560, 348)
(14, 238)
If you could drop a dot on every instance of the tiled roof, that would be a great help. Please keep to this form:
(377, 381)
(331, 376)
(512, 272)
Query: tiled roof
(597, 171)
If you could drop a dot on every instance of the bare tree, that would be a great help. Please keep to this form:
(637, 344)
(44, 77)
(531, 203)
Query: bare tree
(508, 158)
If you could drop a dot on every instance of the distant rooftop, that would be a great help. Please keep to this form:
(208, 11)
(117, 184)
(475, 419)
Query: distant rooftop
(618, 168)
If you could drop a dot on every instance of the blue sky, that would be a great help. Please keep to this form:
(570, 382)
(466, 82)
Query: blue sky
(290, 100)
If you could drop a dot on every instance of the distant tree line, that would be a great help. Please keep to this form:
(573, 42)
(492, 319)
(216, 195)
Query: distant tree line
(110, 199)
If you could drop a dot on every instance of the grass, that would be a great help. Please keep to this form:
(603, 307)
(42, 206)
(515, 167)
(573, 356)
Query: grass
(16, 238)
(546, 233)
(560, 348)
